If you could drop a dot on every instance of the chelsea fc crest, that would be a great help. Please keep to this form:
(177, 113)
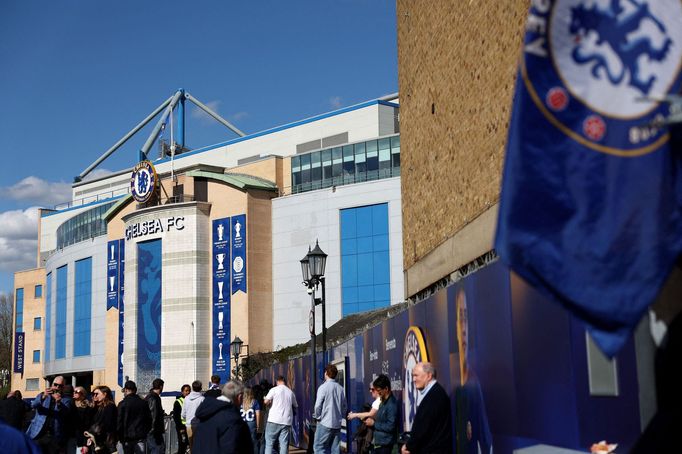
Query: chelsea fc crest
(143, 181)
(594, 67)
(414, 351)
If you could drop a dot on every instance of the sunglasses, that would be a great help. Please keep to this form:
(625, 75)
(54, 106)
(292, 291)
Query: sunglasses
(77, 392)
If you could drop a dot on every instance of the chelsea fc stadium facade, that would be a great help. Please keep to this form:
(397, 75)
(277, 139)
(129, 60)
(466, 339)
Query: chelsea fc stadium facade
(152, 271)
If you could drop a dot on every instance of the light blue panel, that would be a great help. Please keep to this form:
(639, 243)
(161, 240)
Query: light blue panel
(36, 356)
(380, 219)
(364, 221)
(60, 316)
(19, 299)
(349, 246)
(365, 244)
(350, 309)
(349, 270)
(350, 295)
(382, 293)
(381, 268)
(380, 243)
(365, 294)
(149, 311)
(48, 316)
(82, 308)
(364, 307)
(365, 269)
(348, 223)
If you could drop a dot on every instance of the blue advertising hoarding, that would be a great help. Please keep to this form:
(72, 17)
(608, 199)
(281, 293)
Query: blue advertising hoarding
(220, 338)
(238, 259)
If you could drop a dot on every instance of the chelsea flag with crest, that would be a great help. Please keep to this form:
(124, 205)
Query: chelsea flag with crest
(591, 202)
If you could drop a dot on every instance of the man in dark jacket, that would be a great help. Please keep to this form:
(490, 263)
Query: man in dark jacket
(431, 431)
(221, 427)
(385, 421)
(179, 420)
(155, 441)
(13, 410)
(134, 420)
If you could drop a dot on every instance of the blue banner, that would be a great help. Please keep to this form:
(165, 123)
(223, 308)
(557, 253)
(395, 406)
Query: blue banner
(220, 339)
(590, 206)
(238, 232)
(112, 273)
(148, 311)
(19, 339)
(121, 310)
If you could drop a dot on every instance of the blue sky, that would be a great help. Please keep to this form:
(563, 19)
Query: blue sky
(76, 76)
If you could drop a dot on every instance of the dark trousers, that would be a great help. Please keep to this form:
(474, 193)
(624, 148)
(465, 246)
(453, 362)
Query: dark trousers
(382, 450)
(183, 442)
(47, 443)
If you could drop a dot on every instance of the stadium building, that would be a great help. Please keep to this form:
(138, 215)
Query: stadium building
(153, 271)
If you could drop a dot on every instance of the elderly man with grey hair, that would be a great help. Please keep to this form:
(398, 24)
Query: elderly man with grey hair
(220, 426)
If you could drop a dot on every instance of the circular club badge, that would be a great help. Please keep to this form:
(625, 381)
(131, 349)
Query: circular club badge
(143, 181)
(414, 351)
(595, 70)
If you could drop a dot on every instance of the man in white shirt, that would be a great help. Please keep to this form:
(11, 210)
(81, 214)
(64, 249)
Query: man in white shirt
(280, 417)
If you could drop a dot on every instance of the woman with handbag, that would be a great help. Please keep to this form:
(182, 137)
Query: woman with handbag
(102, 433)
(81, 414)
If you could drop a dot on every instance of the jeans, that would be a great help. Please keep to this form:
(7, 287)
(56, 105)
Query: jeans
(326, 440)
(134, 447)
(274, 431)
(155, 446)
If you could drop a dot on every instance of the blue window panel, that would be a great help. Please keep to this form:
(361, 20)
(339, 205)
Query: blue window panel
(349, 246)
(36, 356)
(48, 316)
(349, 270)
(364, 221)
(381, 304)
(365, 269)
(365, 244)
(381, 268)
(37, 324)
(382, 293)
(60, 313)
(380, 243)
(82, 331)
(348, 225)
(350, 295)
(365, 294)
(19, 306)
(38, 292)
(364, 307)
(350, 309)
(380, 219)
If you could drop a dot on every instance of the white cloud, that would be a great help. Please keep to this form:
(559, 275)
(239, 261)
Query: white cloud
(239, 116)
(199, 114)
(335, 102)
(18, 239)
(35, 190)
(97, 173)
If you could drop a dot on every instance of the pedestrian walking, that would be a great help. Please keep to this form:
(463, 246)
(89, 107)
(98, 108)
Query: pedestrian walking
(431, 429)
(385, 421)
(81, 413)
(46, 427)
(282, 402)
(220, 427)
(134, 420)
(13, 410)
(330, 411)
(192, 402)
(102, 432)
(156, 444)
(179, 420)
(251, 415)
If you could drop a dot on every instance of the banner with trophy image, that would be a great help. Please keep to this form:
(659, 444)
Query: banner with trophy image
(113, 273)
(221, 298)
(238, 232)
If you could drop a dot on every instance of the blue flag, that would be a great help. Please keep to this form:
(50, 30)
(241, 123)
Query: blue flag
(590, 210)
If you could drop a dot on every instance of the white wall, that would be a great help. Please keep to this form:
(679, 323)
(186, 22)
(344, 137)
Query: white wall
(297, 221)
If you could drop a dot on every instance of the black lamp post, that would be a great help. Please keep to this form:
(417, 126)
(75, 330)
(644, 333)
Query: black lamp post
(236, 350)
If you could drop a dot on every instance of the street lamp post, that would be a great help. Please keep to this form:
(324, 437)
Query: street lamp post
(236, 350)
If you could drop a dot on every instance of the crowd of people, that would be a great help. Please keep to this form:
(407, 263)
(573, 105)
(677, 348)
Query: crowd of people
(228, 419)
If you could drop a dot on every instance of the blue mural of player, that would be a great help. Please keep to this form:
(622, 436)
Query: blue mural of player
(471, 422)
(149, 307)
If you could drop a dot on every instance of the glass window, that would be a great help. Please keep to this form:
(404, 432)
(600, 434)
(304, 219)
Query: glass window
(82, 307)
(372, 160)
(37, 324)
(326, 165)
(38, 291)
(348, 163)
(385, 157)
(315, 169)
(32, 384)
(36, 356)
(305, 171)
(337, 164)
